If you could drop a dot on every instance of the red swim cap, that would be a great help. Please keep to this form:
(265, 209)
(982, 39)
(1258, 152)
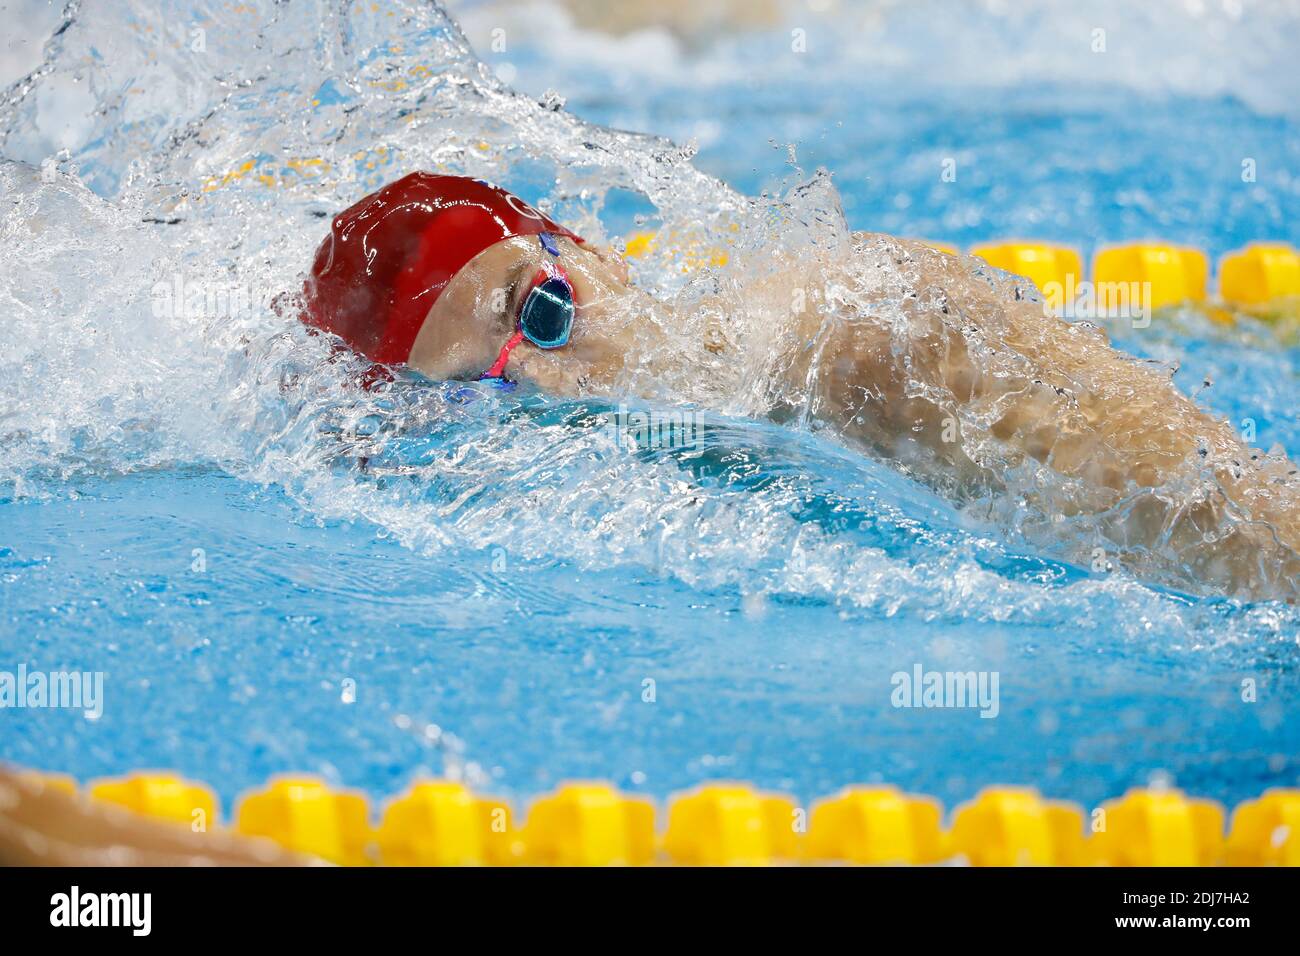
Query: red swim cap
(388, 258)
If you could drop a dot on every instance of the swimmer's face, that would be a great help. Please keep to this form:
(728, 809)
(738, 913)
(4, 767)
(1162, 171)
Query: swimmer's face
(479, 308)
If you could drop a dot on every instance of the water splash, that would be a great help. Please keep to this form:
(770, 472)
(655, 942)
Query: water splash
(196, 170)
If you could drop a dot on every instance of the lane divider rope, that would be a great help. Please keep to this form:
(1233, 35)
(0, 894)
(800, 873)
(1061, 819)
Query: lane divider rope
(445, 823)
(1260, 274)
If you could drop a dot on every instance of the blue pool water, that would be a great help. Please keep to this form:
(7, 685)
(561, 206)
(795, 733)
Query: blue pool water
(1049, 140)
(503, 592)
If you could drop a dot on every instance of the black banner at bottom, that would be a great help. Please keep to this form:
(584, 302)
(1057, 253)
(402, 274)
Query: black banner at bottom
(331, 906)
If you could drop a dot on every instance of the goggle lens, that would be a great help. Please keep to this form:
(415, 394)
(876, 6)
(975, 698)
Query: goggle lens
(546, 318)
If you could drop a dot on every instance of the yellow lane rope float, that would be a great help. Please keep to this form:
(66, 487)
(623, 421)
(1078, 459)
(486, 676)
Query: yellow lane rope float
(1261, 273)
(1161, 273)
(444, 823)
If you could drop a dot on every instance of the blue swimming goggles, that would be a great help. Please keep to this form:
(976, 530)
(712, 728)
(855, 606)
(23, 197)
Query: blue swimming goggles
(545, 312)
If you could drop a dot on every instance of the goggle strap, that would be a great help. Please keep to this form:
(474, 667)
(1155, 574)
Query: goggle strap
(498, 369)
(549, 270)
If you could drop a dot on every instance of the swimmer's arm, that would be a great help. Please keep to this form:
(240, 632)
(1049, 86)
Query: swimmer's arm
(961, 369)
(42, 826)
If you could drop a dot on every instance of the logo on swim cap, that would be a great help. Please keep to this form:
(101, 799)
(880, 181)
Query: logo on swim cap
(521, 207)
(513, 201)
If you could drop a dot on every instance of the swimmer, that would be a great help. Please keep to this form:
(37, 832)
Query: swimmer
(955, 378)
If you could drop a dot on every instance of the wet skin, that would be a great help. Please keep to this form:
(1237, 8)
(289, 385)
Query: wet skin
(476, 313)
(915, 383)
